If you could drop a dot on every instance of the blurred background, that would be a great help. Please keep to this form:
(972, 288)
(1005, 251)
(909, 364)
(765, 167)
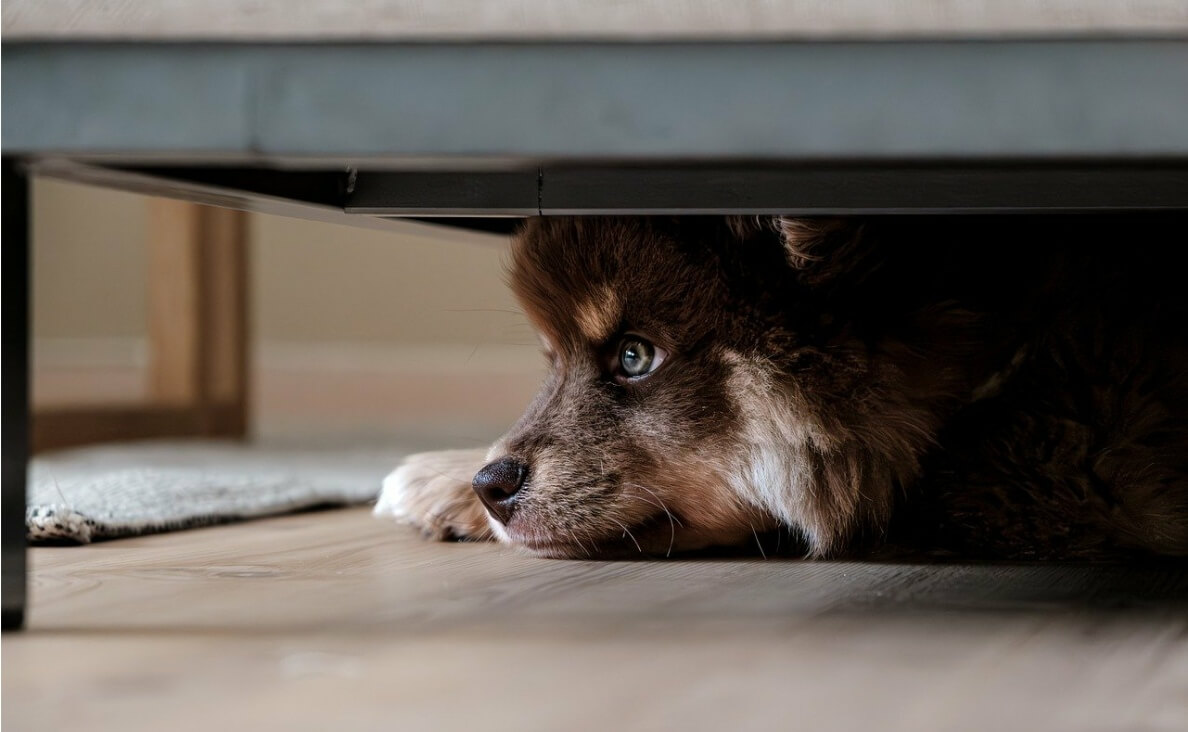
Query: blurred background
(363, 334)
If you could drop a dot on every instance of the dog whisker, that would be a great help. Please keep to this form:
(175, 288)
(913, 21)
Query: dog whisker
(578, 542)
(757, 542)
(627, 533)
(672, 522)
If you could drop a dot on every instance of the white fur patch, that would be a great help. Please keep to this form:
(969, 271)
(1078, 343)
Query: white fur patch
(393, 499)
(773, 471)
(432, 491)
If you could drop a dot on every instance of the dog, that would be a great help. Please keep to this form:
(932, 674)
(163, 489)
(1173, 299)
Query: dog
(1004, 387)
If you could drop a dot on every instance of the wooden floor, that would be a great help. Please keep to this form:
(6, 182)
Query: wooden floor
(336, 621)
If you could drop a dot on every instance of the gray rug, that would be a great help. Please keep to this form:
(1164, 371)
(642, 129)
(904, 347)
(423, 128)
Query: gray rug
(107, 492)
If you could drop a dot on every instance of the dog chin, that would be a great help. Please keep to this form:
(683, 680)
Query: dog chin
(654, 537)
(543, 546)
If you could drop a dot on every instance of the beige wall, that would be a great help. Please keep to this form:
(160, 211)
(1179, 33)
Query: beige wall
(88, 262)
(311, 282)
(324, 282)
(352, 328)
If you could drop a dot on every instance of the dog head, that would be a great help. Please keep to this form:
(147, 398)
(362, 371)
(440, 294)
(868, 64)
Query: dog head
(710, 381)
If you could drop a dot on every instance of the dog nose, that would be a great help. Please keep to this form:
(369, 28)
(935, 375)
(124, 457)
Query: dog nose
(497, 483)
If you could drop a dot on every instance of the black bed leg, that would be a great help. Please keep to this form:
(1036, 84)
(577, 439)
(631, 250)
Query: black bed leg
(15, 426)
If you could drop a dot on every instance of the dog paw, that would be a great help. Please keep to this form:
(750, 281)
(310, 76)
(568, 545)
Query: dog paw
(431, 491)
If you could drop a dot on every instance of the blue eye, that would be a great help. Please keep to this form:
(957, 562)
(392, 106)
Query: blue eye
(638, 357)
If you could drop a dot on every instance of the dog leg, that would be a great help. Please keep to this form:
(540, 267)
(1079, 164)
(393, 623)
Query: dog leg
(431, 490)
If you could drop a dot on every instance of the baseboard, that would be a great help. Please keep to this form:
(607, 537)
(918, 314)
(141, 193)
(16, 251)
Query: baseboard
(340, 387)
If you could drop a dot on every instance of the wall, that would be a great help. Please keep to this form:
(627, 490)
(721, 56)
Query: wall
(351, 325)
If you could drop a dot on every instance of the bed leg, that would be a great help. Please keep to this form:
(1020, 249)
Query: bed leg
(17, 315)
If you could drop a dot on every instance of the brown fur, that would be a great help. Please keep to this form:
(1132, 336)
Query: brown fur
(999, 387)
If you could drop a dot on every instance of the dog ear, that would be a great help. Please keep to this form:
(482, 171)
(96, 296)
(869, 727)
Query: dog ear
(828, 250)
(806, 240)
(819, 249)
(810, 241)
(744, 228)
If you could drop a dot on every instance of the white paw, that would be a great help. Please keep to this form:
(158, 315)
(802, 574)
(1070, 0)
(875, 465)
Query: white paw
(431, 490)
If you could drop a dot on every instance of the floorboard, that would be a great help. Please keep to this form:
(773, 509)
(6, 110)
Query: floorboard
(334, 620)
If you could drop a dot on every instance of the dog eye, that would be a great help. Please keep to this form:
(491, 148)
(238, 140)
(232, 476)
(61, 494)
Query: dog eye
(638, 357)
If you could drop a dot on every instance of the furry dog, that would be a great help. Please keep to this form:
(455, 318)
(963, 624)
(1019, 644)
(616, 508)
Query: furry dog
(996, 387)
